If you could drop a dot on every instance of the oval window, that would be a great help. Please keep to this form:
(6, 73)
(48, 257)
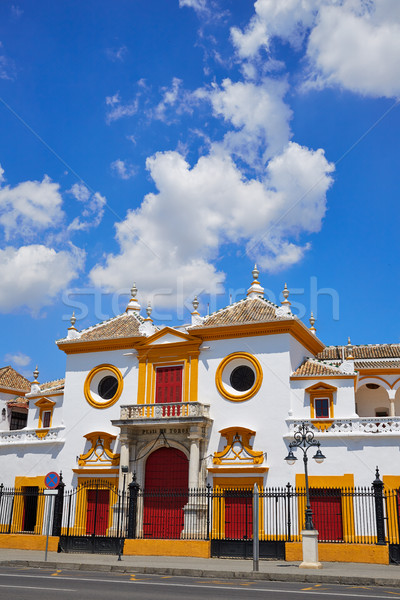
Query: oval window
(242, 378)
(108, 387)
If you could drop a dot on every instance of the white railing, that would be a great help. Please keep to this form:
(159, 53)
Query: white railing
(354, 426)
(29, 436)
(180, 410)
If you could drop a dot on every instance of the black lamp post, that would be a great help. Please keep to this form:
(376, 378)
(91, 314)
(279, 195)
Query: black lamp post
(304, 439)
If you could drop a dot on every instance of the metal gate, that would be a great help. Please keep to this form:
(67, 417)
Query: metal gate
(94, 519)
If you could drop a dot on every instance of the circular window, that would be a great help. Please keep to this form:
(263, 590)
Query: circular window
(103, 386)
(108, 387)
(242, 378)
(372, 386)
(238, 377)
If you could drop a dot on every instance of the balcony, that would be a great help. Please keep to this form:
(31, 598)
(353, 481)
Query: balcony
(182, 413)
(355, 427)
(29, 436)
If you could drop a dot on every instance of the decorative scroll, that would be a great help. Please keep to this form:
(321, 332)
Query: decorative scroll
(238, 448)
(100, 454)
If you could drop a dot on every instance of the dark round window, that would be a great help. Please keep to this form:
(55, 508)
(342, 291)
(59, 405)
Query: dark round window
(108, 387)
(242, 378)
(372, 386)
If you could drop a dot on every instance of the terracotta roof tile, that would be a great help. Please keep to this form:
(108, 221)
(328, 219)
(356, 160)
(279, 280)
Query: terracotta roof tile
(377, 364)
(366, 351)
(311, 368)
(118, 327)
(249, 310)
(19, 402)
(57, 384)
(10, 378)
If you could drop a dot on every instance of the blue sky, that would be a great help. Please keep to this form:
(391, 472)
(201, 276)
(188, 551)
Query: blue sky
(176, 142)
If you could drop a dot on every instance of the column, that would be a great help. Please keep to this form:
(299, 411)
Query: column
(124, 456)
(392, 395)
(194, 458)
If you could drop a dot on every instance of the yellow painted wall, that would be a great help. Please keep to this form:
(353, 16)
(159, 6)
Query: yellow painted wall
(357, 553)
(28, 542)
(198, 549)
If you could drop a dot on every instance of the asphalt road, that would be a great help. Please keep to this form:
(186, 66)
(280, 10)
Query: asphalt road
(48, 584)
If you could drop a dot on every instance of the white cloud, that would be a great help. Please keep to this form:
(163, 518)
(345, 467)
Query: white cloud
(30, 206)
(32, 276)
(353, 44)
(123, 169)
(19, 359)
(258, 113)
(1, 174)
(197, 210)
(358, 52)
(117, 54)
(119, 110)
(197, 5)
(7, 68)
(175, 101)
(93, 211)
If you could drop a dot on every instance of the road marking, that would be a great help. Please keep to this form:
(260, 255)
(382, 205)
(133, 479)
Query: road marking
(196, 586)
(33, 587)
(133, 578)
(56, 573)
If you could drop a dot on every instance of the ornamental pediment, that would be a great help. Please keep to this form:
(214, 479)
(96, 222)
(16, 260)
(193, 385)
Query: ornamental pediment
(167, 335)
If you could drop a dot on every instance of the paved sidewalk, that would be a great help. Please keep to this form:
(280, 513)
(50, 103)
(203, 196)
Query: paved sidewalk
(346, 573)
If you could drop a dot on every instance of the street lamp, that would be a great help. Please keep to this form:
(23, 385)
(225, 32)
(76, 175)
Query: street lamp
(304, 439)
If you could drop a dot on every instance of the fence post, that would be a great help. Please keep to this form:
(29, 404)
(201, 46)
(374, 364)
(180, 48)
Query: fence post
(132, 508)
(58, 507)
(379, 513)
(208, 509)
(288, 513)
(256, 542)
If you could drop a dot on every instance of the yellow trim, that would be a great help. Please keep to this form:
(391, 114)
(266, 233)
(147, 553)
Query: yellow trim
(26, 541)
(233, 483)
(86, 388)
(96, 471)
(319, 391)
(41, 433)
(340, 482)
(141, 398)
(250, 470)
(79, 347)
(249, 393)
(82, 501)
(381, 371)
(18, 513)
(106, 457)
(295, 327)
(194, 375)
(45, 405)
(375, 377)
(242, 436)
(392, 484)
(185, 382)
(196, 548)
(353, 553)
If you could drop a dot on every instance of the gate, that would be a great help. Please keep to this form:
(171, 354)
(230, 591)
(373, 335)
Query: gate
(94, 519)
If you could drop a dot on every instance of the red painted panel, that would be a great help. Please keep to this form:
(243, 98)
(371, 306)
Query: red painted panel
(98, 502)
(166, 469)
(238, 515)
(168, 384)
(326, 505)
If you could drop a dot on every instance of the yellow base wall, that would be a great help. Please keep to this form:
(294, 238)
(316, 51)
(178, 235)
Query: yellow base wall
(28, 542)
(167, 548)
(357, 553)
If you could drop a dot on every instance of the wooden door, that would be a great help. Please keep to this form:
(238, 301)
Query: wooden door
(98, 502)
(326, 505)
(168, 384)
(238, 514)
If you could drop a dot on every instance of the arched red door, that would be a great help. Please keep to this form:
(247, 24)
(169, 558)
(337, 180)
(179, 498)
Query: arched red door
(166, 493)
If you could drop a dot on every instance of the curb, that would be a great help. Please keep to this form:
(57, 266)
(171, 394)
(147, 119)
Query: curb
(315, 577)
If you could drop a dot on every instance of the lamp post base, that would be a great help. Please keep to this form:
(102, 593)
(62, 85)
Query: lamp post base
(310, 549)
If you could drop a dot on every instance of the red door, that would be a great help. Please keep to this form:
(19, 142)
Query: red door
(166, 493)
(326, 505)
(98, 502)
(238, 515)
(168, 384)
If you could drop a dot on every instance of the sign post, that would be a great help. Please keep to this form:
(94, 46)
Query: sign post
(51, 481)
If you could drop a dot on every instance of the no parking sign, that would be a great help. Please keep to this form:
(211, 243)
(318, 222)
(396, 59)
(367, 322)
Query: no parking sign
(51, 480)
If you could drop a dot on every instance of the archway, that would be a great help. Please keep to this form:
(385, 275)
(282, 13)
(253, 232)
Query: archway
(165, 494)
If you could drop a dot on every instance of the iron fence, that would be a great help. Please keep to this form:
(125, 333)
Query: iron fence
(364, 515)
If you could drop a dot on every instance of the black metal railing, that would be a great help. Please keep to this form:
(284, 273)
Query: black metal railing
(364, 515)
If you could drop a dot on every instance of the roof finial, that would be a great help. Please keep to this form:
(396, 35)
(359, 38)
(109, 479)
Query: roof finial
(148, 311)
(133, 304)
(312, 323)
(73, 319)
(285, 294)
(36, 374)
(195, 304)
(255, 290)
(350, 350)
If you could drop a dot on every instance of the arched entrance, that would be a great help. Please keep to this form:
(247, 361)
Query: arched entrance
(165, 493)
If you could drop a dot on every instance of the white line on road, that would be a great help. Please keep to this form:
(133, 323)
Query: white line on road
(205, 586)
(32, 587)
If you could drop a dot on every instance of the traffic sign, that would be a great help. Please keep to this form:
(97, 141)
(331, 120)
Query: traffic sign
(51, 480)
